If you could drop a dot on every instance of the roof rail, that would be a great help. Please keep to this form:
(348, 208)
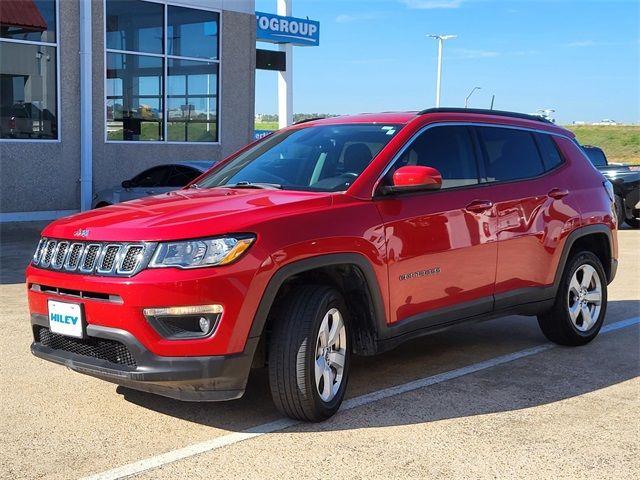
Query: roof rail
(483, 111)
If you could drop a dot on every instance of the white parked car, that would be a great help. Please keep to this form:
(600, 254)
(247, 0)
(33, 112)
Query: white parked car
(153, 181)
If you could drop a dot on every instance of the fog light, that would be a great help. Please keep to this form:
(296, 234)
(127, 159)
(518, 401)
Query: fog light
(205, 324)
(183, 323)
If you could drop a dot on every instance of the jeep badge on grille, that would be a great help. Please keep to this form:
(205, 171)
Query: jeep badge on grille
(81, 232)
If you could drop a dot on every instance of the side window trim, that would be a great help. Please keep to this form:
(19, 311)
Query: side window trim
(375, 190)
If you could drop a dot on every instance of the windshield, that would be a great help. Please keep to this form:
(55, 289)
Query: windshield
(326, 158)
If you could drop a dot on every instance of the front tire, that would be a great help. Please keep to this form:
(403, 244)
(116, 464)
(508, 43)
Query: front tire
(309, 353)
(581, 302)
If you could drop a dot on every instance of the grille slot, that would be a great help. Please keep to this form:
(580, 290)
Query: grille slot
(73, 260)
(38, 255)
(131, 258)
(109, 257)
(60, 255)
(102, 349)
(48, 253)
(107, 297)
(92, 258)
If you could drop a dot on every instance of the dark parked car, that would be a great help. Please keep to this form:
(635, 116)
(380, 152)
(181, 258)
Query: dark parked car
(154, 181)
(626, 184)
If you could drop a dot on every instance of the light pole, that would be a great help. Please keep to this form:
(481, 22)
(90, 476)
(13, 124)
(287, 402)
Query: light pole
(466, 100)
(441, 39)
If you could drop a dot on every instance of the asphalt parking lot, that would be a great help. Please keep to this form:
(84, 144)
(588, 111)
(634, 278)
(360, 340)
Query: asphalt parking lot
(491, 400)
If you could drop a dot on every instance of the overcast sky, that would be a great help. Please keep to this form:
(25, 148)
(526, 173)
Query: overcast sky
(581, 58)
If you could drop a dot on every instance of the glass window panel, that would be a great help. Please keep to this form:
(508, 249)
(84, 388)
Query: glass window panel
(192, 101)
(192, 33)
(179, 176)
(134, 110)
(550, 154)
(28, 20)
(28, 107)
(447, 149)
(511, 154)
(135, 25)
(154, 177)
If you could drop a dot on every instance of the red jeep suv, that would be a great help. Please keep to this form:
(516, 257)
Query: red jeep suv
(333, 237)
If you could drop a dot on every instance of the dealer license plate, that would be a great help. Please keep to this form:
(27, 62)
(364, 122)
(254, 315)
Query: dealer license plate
(65, 318)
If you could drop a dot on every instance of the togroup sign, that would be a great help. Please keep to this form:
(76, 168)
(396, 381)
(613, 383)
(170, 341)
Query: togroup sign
(279, 29)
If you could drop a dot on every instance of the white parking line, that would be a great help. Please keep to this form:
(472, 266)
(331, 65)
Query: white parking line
(232, 438)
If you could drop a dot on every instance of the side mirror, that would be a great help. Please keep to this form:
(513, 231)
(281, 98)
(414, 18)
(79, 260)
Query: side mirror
(128, 184)
(414, 179)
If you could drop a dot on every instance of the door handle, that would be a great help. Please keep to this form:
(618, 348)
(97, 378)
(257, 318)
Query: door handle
(479, 206)
(558, 193)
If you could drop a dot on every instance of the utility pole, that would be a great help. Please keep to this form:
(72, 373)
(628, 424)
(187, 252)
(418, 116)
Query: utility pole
(285, 79)
(441, 39)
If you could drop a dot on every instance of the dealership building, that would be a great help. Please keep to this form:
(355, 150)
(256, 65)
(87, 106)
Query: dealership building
(93, 92)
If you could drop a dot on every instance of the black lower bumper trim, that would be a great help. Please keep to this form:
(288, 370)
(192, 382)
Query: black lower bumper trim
(210, 378)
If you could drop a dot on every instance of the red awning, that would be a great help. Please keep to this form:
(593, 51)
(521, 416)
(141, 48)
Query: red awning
(22, 14)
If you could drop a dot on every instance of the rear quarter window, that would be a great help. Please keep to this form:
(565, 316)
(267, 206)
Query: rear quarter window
(550, 154)
(510, 154)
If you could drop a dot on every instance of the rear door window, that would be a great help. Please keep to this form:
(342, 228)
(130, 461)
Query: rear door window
(510, 154)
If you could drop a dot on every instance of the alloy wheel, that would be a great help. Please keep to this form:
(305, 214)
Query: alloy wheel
(585, 297)
(331, 350)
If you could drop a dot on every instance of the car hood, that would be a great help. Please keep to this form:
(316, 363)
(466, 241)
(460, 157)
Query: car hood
(185, 214)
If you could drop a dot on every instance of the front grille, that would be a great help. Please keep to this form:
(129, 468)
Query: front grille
(100, 348)
(92, 258)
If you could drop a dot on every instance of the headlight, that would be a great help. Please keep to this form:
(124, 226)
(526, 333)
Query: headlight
(206, 252)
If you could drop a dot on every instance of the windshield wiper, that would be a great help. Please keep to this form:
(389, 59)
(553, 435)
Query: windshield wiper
(245, 184)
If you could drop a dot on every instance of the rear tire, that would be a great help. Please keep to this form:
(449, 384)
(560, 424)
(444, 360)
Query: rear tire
(581, 302)
(309, 353)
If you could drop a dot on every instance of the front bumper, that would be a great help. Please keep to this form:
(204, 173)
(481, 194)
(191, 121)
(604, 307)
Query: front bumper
(201, 378)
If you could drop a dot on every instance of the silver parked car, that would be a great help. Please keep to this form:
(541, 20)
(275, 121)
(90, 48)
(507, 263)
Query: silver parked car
(155, 180)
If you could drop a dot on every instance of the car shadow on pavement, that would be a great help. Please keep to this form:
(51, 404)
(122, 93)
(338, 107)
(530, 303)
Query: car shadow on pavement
(551, 376)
